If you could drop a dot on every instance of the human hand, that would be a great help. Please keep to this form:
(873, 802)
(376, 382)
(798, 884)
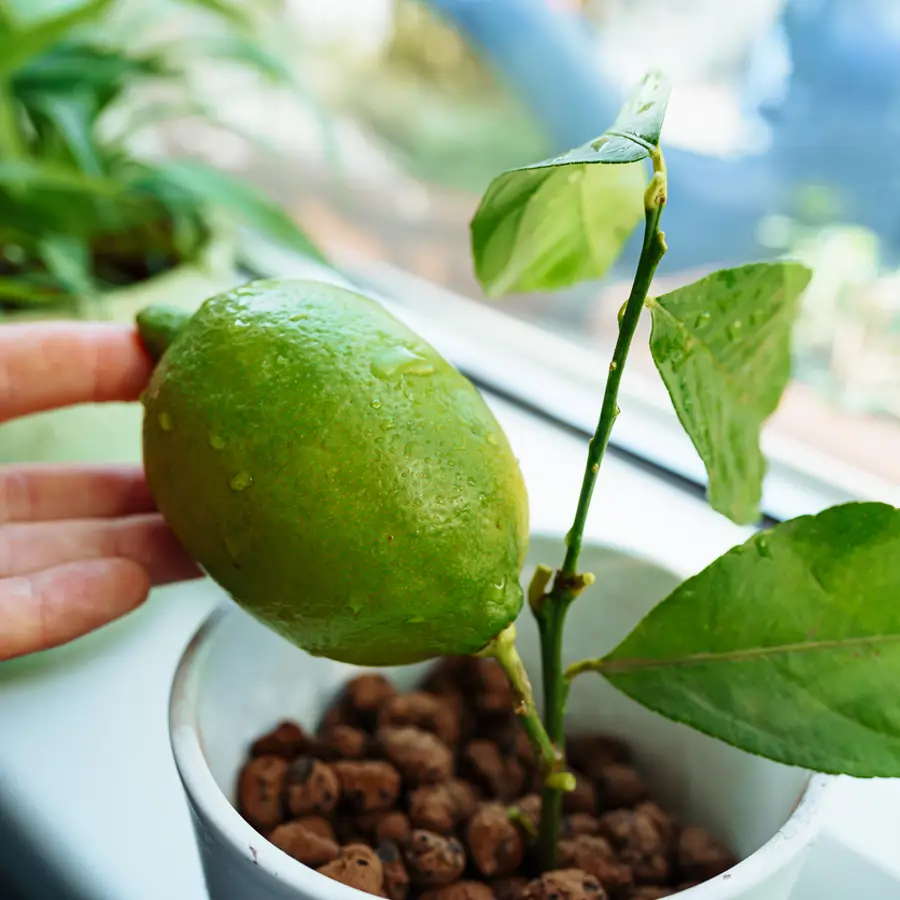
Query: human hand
(79, 545)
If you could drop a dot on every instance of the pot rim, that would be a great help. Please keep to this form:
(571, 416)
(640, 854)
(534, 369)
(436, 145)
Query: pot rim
(792, 838)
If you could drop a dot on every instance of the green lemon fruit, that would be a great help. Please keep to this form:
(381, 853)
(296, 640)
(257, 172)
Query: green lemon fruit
(328, 468)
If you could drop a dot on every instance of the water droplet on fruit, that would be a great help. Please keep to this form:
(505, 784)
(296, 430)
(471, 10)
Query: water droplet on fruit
(376, 404)
(701, 320)
(165, 421)
(763, 548)
(216, 442)
(241, 481)
(400, 361)
(492, 440)
(415, 620)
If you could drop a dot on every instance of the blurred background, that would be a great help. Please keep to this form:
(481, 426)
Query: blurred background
(375, 124)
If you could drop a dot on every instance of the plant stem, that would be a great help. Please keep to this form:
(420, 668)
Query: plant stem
(551, 609)
(503, 649)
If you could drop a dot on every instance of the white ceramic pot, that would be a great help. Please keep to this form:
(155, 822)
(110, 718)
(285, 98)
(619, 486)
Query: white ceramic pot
(111, 432)
(237, 679)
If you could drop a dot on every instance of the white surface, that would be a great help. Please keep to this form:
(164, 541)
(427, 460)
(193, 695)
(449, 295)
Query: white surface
(84, 756)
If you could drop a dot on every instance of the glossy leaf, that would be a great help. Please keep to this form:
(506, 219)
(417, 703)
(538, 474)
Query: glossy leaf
(564, 220)
(248, 206)
(635, 133)
(722, 346)
(787, 646)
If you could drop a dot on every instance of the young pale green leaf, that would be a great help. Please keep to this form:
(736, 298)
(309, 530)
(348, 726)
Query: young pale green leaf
(555, 223)
(722, 346)
(635, 133)
(250, 208)
(788, 646)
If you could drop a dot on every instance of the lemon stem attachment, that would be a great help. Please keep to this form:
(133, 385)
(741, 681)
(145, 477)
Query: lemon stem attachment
(503, 649)
(550, 607)
(158, 326)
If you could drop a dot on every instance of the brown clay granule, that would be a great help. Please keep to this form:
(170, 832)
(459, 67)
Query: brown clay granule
(564, 884)
(420, 756)
(509, 888)
(358, 866)
(396, 879)
(422, 710)
(342, 742)
(366, 694)
(583, 799)
(482, 763)
(260, 787)
(651, 892)
(578, 823)
(386, 825)
(367, 785)
(460, 890)
(311, 787)
(495, 844)
(441, 807)
(592, 753)
(620, 786)
(306, 846)
(700, 857)
(317, 825)
(287, 740)
(433, 859)
(594, 855)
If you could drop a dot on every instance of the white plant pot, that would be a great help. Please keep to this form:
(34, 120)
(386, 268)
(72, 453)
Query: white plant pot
(111, 432)
(237, 679)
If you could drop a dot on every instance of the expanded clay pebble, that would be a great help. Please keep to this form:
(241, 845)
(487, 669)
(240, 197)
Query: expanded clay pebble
(700, 856)
(305, 846)
(651, 892)
(460, 890)
(441, 807)
(433, 860)
(593, 854)
(482, 762)
(564, 884)
(420, 756)
(592, 753)
(287, 740)
(422, 710)
(358, 866)
(579, 823)
(492, 693)
(395, 882)
(365, 695)
(260, 787)
(342, 742)
(495, 844)
(583, 799)
(367, 785)
(620, 786)
(387, 825)
(311, 787)
(509, 888)
(317, 825)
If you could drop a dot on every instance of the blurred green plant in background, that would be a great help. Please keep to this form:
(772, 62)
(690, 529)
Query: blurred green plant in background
(82, 212)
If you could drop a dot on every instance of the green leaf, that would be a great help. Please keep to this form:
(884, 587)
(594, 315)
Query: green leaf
(34, 173)
(635, 133)
(552, 225)
(787, 646)
(564, 220)
(19, 45)
(248, 206)
(722, 346)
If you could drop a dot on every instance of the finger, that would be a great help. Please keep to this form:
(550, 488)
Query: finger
(48, 365)
(146, 540)
(45, 492)
(55, 606)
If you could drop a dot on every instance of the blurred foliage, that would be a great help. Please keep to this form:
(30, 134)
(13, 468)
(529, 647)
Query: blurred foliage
(467, 125)
(80, 211)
